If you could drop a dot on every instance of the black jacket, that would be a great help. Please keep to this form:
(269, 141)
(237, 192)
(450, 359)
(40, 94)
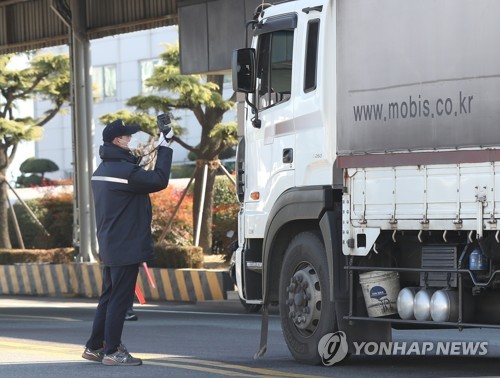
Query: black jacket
(122, 206)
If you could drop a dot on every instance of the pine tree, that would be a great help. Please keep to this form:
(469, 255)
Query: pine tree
(47, 77)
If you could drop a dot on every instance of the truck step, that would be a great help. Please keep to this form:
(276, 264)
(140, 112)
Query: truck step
(255, 266)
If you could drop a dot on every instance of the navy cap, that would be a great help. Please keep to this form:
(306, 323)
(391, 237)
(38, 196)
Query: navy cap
(117, 129)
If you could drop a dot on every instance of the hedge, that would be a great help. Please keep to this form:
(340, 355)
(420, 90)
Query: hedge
(55, 212)
(167, 256)
(177, 256)
(55, 256)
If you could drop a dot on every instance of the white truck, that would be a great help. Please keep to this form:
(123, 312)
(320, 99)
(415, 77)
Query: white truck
(369, 166)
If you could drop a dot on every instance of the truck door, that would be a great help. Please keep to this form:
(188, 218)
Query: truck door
(270, 148)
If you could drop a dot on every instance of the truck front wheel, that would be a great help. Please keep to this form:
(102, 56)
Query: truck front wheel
(306, 312)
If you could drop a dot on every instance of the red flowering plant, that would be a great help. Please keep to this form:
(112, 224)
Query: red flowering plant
(164, 204)
(225, 215)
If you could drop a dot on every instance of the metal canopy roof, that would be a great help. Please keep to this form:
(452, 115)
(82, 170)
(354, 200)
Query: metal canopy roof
(33, 24)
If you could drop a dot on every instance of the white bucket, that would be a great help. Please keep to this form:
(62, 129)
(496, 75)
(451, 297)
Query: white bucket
(380, 290)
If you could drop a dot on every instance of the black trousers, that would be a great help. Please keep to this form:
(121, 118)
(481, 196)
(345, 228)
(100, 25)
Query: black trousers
(118, 287)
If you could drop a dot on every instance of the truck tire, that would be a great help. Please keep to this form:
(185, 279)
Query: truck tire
(306, 312)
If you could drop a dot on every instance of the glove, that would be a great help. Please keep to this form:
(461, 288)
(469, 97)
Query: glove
(168, 134)
(162, 141)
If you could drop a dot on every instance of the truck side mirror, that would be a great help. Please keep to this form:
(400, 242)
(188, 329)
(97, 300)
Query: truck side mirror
(243, 67)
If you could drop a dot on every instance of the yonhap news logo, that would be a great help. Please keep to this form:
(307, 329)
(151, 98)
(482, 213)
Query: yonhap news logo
(415, 348)
(333, 348)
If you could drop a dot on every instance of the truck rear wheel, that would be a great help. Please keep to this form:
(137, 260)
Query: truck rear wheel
(306, 312)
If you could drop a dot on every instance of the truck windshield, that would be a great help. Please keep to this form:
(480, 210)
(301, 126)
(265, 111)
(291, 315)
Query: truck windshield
(274, 68)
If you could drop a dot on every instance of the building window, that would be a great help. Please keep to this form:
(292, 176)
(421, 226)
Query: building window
(228, 81)
(147, 68)
(104, 78)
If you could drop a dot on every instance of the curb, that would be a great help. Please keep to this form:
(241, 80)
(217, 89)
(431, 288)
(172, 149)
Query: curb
(85, 279)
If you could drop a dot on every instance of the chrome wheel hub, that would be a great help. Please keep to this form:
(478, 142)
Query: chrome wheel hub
(304, 299)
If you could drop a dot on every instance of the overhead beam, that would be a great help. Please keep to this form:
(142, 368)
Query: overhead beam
(4, 3)
(29, 25)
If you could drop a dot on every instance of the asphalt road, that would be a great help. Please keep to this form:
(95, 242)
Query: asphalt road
(41, 337)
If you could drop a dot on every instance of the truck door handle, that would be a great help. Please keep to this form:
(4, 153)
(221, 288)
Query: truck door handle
(287, 155)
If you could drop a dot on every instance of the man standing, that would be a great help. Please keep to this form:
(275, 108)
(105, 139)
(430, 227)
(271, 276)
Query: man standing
(123, 217)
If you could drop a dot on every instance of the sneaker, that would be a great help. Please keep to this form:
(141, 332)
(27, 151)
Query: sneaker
(130, 315)
(121, 358)
(93, 354)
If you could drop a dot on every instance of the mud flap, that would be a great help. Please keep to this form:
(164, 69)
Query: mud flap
(263, 333)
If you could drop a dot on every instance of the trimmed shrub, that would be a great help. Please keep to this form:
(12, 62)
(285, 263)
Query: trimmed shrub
(55, 212)
(33, 235)
(177, 256)
(29, 181)
(41, 166)
(58, 219)
(55, 256)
